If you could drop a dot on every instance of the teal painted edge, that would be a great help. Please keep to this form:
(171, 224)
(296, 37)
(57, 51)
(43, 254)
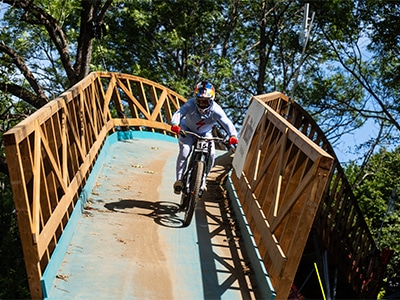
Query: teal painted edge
(54, 264)
(57, 257)
(264, 283)
(133, 134)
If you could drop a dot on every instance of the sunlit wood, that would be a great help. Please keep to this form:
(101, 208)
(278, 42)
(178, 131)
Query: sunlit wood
(291, 179)
(281, 205)
(84, 116)
(339, 223)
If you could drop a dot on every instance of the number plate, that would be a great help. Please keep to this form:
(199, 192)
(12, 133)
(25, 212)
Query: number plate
(202, 145)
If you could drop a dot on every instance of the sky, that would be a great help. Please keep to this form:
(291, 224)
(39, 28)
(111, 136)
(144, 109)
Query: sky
(346, 148)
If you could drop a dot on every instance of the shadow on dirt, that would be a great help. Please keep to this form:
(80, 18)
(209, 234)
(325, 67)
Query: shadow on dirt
(164, 213)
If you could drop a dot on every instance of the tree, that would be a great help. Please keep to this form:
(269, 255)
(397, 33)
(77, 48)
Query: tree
(36, 65)
(357, 82)
(244, 47)
(35, 49)
(175, 43)
(377, 188)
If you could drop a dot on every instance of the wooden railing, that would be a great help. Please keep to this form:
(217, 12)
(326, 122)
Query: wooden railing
(51, 153)
(280, 188)
(339, 223)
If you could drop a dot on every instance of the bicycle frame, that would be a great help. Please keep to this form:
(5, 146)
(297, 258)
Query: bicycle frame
(195, 174)
(200, 152)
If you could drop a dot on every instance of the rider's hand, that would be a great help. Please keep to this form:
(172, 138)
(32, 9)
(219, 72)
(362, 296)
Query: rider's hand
(233, 140)
(176, 129)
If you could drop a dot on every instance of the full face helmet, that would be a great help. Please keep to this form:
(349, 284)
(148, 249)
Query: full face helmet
(204, 95)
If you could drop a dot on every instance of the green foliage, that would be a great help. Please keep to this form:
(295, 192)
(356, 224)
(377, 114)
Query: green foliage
(168, 37)
(32, 43)
(334, 101)
(374, 187)
(13, 280)
(245, 48)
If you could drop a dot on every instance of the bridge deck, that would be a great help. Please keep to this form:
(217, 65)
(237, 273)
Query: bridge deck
(129, 242)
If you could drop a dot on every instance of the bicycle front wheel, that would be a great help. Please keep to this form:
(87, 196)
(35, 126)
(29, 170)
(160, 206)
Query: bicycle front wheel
(193, 196)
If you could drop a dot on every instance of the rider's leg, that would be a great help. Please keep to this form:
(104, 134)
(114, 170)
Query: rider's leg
(209, 166)
(185, 144)
(212, 158)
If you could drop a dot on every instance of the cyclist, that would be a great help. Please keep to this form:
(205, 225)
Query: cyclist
(199, 114)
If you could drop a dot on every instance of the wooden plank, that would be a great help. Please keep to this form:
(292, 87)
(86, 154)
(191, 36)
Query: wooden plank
(299, 139)
(142, 122)
(110, 91)
(24, 217)
(95, 107)
(261, 223)
(134, 100)
(271, 96)
(64, 145)
(157, 108)
(142, 98)
(41, 168)
(36, 182)
(23, 129)
(280, 190)
(300, 226)
(145, 81)
(268, 160)
(73, 128)
(293, 198)
(167, 109)
(55, 167)
(70, 194)
(82, 121)
(280, 166)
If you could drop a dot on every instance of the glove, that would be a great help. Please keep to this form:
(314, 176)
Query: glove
(233, 140)
(176, 129)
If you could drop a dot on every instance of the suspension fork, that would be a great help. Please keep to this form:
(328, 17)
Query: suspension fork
(201, 154)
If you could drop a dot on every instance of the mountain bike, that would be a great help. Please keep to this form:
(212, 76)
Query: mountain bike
(195, 175)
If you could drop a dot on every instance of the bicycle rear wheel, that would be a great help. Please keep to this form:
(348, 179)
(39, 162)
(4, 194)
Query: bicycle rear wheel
(193, 196)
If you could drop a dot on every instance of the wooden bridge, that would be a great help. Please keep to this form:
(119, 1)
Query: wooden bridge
(292, 203)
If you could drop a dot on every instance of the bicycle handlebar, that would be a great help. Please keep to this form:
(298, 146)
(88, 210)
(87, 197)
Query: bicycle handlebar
(225, 142)
(213, 138)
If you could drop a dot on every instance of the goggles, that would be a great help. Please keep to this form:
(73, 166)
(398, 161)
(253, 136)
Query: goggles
(203, 102)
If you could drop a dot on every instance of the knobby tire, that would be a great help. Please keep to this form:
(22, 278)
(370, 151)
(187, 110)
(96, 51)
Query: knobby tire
(193, 196)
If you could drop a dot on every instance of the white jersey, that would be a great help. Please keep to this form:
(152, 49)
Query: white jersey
(189, 118)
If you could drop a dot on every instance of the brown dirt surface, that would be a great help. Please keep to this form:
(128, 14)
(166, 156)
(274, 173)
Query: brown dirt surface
(130, 242)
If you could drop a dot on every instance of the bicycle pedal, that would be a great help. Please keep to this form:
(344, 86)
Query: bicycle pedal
(178, 186)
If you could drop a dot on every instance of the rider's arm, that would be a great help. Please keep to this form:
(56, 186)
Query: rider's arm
(225, 122)
(181, 112)
(176, 118)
